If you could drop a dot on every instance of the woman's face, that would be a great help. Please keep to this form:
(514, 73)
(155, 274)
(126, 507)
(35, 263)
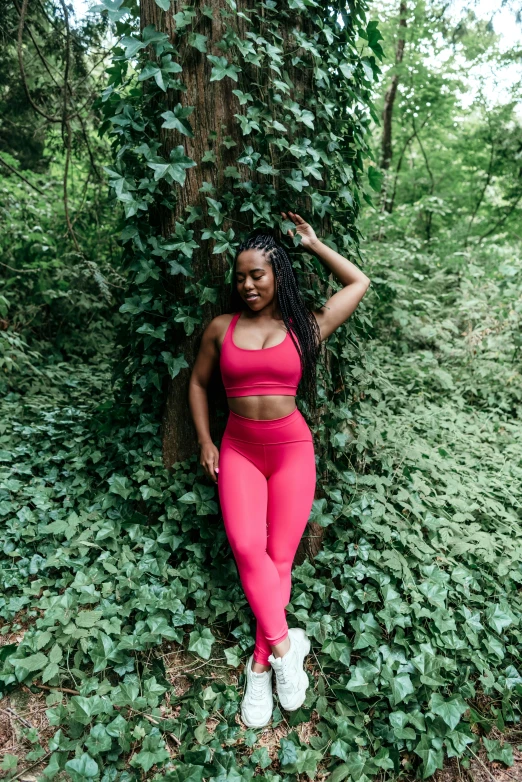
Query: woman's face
(255, 279)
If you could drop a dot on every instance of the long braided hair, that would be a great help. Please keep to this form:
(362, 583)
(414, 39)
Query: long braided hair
(291, 304)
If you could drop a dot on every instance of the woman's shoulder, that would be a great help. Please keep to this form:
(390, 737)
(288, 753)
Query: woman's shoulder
(219, 321)
(218, 326)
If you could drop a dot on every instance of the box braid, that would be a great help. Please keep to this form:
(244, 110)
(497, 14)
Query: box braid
(292, 306)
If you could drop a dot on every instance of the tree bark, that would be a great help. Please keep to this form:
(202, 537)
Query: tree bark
(215, 107)
(389, 101)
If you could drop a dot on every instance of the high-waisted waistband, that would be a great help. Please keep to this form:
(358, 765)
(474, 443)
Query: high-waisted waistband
(288, 428)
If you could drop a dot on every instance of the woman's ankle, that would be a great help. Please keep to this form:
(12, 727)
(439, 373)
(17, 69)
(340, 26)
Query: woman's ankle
(280, 649)
(260, 667)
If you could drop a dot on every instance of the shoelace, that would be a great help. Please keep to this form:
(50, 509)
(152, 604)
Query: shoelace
(257, 684)
(282, 673)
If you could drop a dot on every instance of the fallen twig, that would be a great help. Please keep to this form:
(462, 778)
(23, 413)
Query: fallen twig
(52, 689)
(36, 763)
(13, 713)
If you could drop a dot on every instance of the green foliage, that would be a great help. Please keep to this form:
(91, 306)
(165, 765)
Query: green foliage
(291, 153)
(46, 282)
(455, 168)
(413, 604)
(56, 226)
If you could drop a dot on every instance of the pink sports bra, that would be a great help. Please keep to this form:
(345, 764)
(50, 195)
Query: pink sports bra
(261, 371)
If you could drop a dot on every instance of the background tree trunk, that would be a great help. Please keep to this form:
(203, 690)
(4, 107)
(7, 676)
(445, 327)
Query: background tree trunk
(389, 101)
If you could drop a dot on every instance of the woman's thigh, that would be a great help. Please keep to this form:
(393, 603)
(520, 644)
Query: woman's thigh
(291, 491)
(243, 495)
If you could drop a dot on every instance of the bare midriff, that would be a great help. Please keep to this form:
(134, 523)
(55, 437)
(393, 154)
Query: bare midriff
(262, 407)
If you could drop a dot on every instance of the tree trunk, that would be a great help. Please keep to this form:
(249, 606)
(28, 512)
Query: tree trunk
(389, 101)
(215, 107)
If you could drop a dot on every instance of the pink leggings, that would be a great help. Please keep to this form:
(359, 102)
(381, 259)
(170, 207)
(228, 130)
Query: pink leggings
(266, 486)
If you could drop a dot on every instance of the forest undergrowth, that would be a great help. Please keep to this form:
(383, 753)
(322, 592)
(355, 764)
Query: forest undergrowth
(122, 606)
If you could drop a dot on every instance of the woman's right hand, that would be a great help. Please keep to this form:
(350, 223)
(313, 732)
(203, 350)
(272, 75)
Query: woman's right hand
(209, 460)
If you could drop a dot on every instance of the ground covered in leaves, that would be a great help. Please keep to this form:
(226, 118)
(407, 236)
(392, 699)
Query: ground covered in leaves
(124, 626)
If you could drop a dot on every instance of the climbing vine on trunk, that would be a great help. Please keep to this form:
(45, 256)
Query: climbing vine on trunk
(222, 116)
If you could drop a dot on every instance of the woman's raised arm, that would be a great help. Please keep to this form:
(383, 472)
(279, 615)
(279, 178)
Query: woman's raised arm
(340, 306)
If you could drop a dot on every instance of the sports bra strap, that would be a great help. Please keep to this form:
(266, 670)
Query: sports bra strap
(230, 329)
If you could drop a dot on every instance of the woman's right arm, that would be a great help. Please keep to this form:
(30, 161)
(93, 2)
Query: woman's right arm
(206, 361)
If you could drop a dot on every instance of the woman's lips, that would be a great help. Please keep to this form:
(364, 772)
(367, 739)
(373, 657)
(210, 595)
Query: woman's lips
(250, 298)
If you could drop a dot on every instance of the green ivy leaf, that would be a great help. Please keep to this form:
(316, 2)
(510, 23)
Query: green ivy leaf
(296, 180)
(88, 618)
(198, 41)
(131, 45)
(175, 120)
(339, 773)
(174, 363)
(35, 662)
(287, 755)
(432, 759)
(215, 210)
(82, 768)
(179, 163)
(49, 672)
(497, 752)
(98, 740)
(401, 686)
(375, 178)
(209, 157)
(184, 18)
(233, 656)
(201, 641)
(9, 762)
(222, 68)
(450, 709)
(121, 485)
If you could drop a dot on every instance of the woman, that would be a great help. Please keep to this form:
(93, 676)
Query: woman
(266, 464)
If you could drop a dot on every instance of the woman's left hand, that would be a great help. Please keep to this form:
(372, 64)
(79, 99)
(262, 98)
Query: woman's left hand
(304, 229)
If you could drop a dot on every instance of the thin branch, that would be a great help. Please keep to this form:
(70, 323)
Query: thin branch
(432, 180)
(391, 92)
(70, 228)
(65, 119)
(21, 271)
(48, 117)
(78, 111)
(486, 183)
(13, 713)
(21, 176)
(430, 173)
(53, 689)
(41, 56)
(67, 131)
(501, 221)
(388, 205)
(36, 763)
(486, 769)
(83, 197)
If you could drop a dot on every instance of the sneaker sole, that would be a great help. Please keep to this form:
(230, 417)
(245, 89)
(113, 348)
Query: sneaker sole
(256, 724)
(301, 695)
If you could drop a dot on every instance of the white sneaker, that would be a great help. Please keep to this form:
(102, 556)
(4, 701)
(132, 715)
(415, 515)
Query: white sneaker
(291, 678)
(258, 701)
